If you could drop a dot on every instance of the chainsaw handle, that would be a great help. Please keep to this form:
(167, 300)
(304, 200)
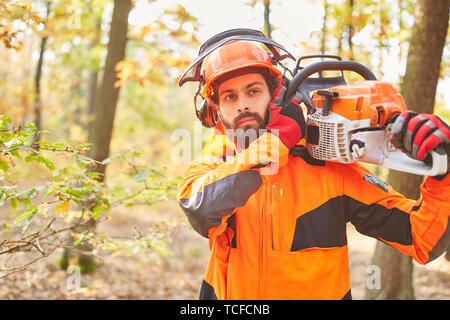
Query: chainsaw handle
(320, 66)
(377, 149)
(401, 162)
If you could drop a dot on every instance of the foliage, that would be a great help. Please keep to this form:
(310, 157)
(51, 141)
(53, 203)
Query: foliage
(57, 210)
(11, 11)
(45, 216)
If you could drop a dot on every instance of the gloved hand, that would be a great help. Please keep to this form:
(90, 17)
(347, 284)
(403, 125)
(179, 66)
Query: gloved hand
(418, 134)
(287, 122)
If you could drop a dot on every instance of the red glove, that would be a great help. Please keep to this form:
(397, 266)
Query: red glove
(287, 122)
(418, 134)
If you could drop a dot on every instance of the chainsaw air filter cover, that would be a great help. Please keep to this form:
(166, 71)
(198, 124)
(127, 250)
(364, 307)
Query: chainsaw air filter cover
(362, 105)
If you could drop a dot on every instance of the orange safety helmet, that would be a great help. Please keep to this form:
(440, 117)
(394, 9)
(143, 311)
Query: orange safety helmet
(234, 56)
(228, 51)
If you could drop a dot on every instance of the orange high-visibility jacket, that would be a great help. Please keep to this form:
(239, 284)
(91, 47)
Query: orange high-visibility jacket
(283, 235)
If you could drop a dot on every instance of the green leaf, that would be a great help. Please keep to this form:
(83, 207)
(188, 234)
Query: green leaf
(43, 144)
(30, 125)
(107, 160)
(31, 157)
(22, 216)
(114, 156)
(32, 215)
(6, 118)
(30, 193)
(80, 238)
(48, 194)
(94, 175)
(138, 153)
(158, 174)
(84, 145)
(4, 165)
(14, 204)
(82, 161)
(16, 154)
(31, 212)
(41, 159)
(26, 202)
(97, 212)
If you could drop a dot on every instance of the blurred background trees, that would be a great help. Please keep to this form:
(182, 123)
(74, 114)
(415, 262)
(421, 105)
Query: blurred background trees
(419, 91)
(59, 111)
(73, 149)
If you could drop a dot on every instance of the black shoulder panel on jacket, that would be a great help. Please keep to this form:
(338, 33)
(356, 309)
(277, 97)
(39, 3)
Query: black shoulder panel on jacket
(377, 221)
(323, 227)
(207, 292)
(206, 209)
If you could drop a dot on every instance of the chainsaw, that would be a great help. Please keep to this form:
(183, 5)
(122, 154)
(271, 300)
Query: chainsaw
(353, 122)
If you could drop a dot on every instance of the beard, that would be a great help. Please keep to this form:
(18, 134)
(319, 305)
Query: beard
(243, 135)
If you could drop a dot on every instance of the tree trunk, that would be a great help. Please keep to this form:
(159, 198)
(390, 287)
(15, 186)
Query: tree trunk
(104, 110)
(339, 49)
(419, 90)
(93, 82)
(107, 96)
(267, 25)
(37, 81)
(425, 53)
(350, 29)
(324, 27)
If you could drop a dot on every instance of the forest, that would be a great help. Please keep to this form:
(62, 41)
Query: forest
(91, 119)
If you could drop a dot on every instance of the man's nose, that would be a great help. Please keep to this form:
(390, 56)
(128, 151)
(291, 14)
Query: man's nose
(242, 109)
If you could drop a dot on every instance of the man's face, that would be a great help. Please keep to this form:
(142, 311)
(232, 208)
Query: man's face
(243, 102)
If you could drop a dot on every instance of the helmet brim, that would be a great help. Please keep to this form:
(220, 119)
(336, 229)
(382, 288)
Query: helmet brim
(192, 72)
(251, 67)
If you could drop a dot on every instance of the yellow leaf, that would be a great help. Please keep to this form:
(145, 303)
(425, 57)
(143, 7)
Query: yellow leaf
(117, 84)
(144, 82)
(164, 225)
(63, 207)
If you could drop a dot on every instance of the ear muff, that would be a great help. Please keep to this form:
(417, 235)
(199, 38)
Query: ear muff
(207, 114)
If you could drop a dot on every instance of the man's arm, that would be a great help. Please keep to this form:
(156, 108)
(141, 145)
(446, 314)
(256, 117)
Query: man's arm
(211, 190)
(419, 228)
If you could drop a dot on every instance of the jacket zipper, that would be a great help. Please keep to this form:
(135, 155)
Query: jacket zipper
(261, 241)
(265, 208)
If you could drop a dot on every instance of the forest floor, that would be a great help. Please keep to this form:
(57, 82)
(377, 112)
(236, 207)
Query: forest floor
(137, 278)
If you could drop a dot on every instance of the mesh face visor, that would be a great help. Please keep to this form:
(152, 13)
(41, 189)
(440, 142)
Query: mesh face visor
(193, 71)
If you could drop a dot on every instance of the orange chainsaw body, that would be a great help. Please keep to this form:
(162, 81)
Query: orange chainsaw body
(375, 100)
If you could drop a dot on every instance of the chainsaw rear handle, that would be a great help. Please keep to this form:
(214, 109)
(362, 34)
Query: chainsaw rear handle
(320, 66)
(401, 162)
(379, 150)
(437, 163)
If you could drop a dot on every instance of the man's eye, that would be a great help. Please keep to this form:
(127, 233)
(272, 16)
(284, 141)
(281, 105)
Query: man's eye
(253, 91)
(229, 97)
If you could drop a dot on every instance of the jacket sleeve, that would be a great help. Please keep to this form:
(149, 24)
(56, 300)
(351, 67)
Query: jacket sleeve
(212, 189)
(419, 228)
